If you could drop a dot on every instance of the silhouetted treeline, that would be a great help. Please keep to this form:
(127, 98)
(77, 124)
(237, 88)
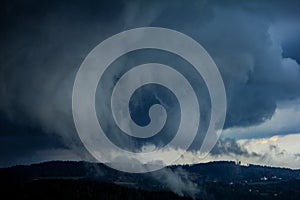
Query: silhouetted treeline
(83, 180)
(78, 189)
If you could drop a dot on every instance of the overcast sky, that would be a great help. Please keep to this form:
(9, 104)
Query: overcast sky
(255, 45)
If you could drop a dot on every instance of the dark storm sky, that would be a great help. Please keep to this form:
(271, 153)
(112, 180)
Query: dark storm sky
(255, 45)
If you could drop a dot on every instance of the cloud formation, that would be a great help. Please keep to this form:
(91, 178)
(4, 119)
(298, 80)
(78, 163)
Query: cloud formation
(43, 44)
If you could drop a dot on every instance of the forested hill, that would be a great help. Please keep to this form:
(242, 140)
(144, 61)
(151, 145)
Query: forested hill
(83, 180)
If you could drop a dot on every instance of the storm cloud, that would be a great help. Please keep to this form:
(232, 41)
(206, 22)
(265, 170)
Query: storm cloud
(43, 45)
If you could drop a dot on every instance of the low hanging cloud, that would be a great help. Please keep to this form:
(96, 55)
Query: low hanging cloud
(276, 151)
(43, 45)
(177, 180)
(231, 147)
(284, 121)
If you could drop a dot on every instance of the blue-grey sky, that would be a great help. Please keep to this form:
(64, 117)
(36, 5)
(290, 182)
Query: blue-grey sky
(255, 45)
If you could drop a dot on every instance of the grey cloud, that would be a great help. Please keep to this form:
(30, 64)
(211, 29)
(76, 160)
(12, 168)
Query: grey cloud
(297, 155)
(43, 44)
(251, 65)
(277, 150)
(38, 65)
(229, 146)
(176, 180)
